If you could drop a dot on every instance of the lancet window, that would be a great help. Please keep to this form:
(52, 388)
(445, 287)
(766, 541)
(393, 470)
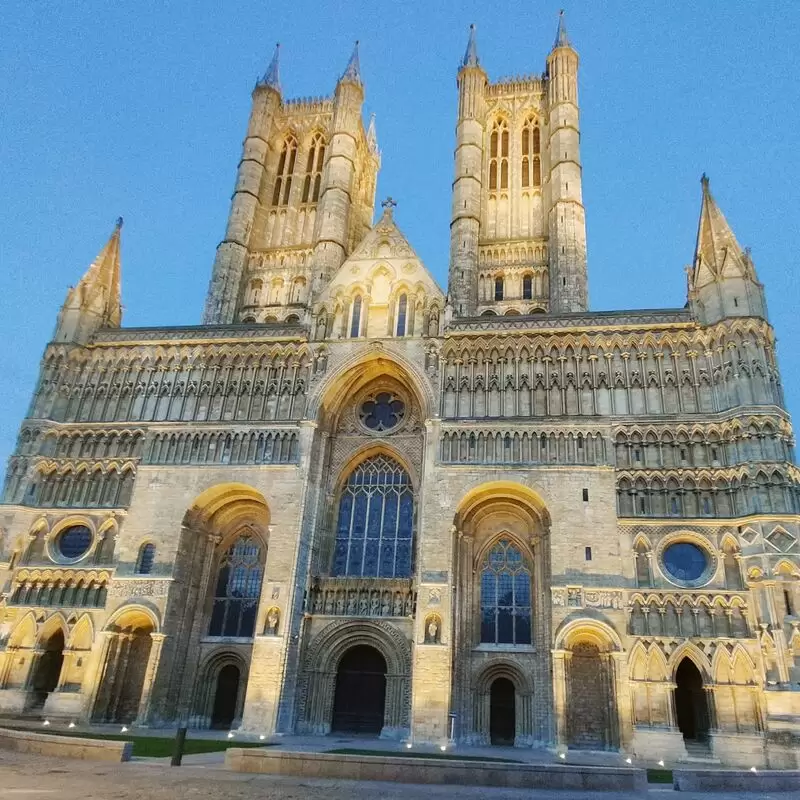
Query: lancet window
(505, 596)
(144, 562)
(313, 179)
(498, 156)
(374, 531)
(355, 320)
(402, 313)
(283, 177)
(531, 155)
(237, 589)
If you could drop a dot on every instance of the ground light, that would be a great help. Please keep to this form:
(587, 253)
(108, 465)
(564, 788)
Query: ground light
(262, 737)
(661, 763)
(408, 745)
(46, 722)
(443, 747)
(71, 725)
(629, 761)
(562, 755)
(230, 734)
(753, 769)
(124, 729)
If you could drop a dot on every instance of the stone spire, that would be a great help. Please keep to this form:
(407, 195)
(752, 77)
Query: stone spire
(722, 279)
(96, 301)
(562, 40)
(352, 71)
(272, 77)
(717, 252)
(471, 54)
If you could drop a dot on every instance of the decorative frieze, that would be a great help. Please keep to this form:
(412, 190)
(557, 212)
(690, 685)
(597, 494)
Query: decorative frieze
(361, 597)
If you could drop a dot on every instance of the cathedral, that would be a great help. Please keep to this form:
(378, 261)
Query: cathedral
(349, 501)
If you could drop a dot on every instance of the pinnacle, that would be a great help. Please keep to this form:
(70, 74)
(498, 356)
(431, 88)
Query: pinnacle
(352, 71)
(471, 55)
(562, 40)
(272, 75)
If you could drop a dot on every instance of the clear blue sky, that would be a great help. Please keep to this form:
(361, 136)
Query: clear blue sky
(139, 109)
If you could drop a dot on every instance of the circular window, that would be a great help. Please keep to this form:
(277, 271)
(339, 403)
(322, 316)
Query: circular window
(382, 412)
(74, 542)
(685, 561)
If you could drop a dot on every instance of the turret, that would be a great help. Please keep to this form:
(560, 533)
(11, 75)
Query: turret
(722, 280)
(232, 252)
(567, 220)
(467, 183)
(95, 302)
(336, 199)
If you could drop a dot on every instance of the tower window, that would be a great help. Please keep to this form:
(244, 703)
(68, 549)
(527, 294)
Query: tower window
(313, 179)
(402, 309)
(144, 563)
(498, 156)
(355, 321)
(283, 177)
(498, 288)
(527, 287)
(588, 553)
(531, 146)
(585, 495)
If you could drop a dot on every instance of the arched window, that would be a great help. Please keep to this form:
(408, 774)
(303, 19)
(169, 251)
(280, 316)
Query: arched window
(531, 159)
(256, 285)
(144, 563)
(402, 309)
(505, 596)
(355, 320)
(498, 156)
(527, 287)
(283, 176)
(313, 179)
(498, 288)
(374, 533)
(237, 589)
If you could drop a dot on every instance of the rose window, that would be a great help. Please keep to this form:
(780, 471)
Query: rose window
(382, 412)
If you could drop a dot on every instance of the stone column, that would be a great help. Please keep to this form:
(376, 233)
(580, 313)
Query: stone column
(156, 643)
(102, 669)
(560, 671)
(621, 699)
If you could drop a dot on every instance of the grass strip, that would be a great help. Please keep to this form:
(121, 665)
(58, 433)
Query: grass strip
(659, 776)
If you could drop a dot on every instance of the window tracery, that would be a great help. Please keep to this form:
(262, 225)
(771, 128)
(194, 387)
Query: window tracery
(374, 532)
(237, 589)
(531, 158)
(505, 596)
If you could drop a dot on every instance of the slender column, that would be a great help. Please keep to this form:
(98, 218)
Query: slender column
(101, 672)
(560, 669)
(121, 673)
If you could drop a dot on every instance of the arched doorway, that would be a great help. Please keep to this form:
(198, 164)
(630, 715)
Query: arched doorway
(47, 670)
(691, 702)
(360, 698)
(502, 712)
(125, 668)
(589, 698)
(225, 697)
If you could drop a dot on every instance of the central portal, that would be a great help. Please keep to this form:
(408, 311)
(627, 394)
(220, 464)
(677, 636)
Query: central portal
(360, 698)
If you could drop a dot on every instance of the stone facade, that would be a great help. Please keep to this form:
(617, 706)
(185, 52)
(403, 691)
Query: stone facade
(500, 516)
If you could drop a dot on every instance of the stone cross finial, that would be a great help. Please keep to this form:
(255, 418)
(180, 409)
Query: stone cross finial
(389, 204)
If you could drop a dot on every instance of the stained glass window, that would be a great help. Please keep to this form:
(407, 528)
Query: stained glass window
(237, 590)
(374, 532)
(505, 596)
(74, 542)
(382, 412)
(355, 322)
(147, 554)
(685, 561)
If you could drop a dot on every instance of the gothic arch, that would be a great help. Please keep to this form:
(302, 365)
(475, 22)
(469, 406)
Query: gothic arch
(367, 363)
(315, 705)
(694, 654)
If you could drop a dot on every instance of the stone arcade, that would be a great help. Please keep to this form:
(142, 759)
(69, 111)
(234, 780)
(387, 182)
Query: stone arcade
(346, 501)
